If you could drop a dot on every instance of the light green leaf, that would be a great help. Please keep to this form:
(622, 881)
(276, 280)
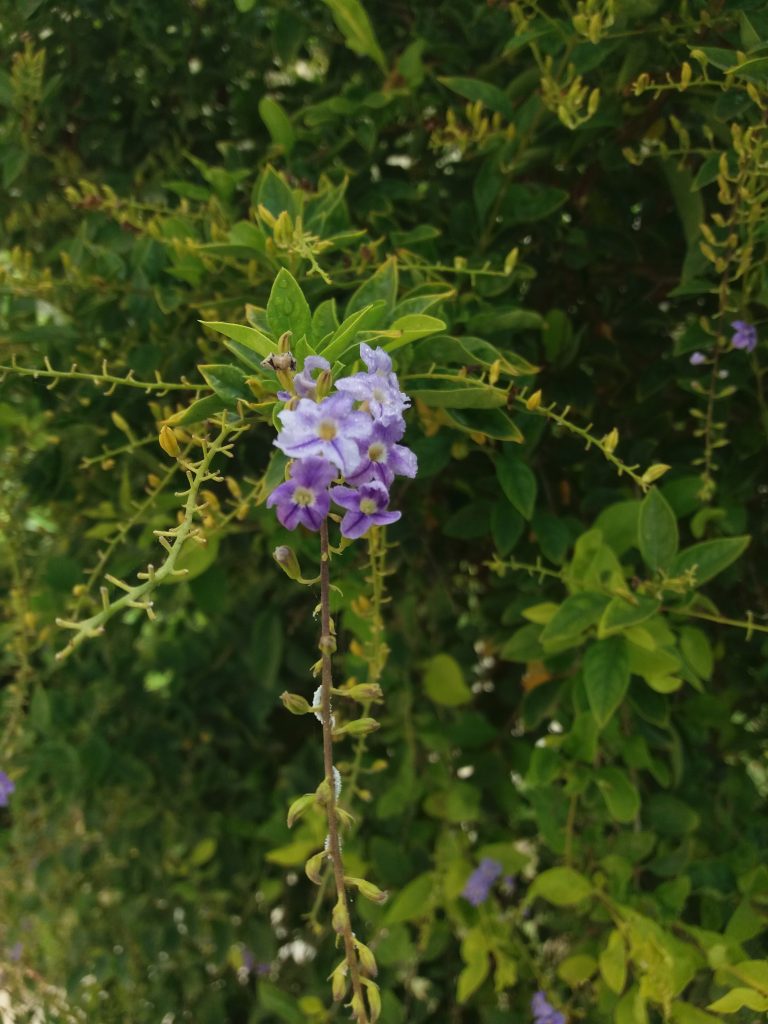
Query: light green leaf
(577, 969)
(414, 901)
(444, 681)
(227, 381)
(413, 326)
(472, 976)
(697, 650)
(738, 999)
(474, 89)
(684, 1013)
(710, 557)
(494, 423)
(202, 409)
(657, 528)
(344, 337)
(203, 851)
(613, 963)
(248, 338)
(287, 309)
(272, 192)
(606, 676)
(620, 795)
(563, 887)
(575, 615)
(622, 613)
(380, 286)
(355, 25)
(278, 123)
(455, 393)
(517, 481)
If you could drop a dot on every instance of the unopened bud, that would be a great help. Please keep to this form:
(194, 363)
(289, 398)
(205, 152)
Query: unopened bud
(257, 388)
(169, 442)
(327, 644)
(374, 999)
(323, 384)
(288, 562)
(314, 866)
(298, 807)
(533, 402)
(358, 1007)
(120, 422)
(339, 982)
(295, 703)
(284, 343)
(364, 692)
(368, 889)
(610, 440)
(340, 917)
(360, 727)
(367, 959)
(654, 472)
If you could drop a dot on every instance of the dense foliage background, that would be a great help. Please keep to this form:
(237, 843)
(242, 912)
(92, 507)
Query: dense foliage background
(575, 194)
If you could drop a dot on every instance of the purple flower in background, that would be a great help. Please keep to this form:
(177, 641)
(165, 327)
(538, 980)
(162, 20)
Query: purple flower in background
(365, 507)
(379, 388)
(304, 498)
(480, 882)
(744, 335)
(543, 1012)
(329, 429)
(381, 458)
(304, 383)
(15, 951)
(697, 359)
(6, 788)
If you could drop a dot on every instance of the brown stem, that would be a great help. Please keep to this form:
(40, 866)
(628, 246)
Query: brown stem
(334, 846)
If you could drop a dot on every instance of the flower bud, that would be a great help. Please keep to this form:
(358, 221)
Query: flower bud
(368, 889)
(288, 562)
(610, 441)
(314, 866)
(360, 727)
(295, 703)
(323, 384)
(339, 982)
(534, 401)
(169, 442)
(284, 343)
(327, 644)
(340, 917)
(298, 807)
(654, 472)
(374, 999)
(367, 959)
(358, 1008)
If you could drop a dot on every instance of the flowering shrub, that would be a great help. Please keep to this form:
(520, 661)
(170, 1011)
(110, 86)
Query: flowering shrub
(496, 752)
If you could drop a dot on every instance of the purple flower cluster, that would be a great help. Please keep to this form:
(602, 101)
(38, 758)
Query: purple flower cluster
(481, 881)
(543, 1012)
(6, 788)
(744, 335)
(351, 434)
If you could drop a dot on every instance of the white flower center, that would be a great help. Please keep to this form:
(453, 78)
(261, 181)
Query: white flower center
(303, 496)
(327, 430)
(367, 506)
(376, 452)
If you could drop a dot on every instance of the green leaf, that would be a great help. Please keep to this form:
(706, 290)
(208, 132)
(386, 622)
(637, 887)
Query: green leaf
(697, 650)
(248, 338)
(613, 962)
(710, 557)
(606, 676)
(657, 529)
(619, 525)
(202, 409)
(414, 901)
(272, 192)
(563, 887)
(620, 795)
(577, 969)
(355, 25)
(495, 423)
(227, 381)
(505, 320)
(739, 999)
(195, 559)
(474, 89)
(575, 615)
(380, 286)
(203, 851)
(756, 69)
(472, 976)
(287, 309)
(412, 327)
(621, 613)
(524, 204)
(684, 1013)
(278, 123)
(444, 681)
(455, 393)
(517, 482)
(344, 337)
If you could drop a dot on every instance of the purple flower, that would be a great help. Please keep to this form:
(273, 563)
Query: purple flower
(329, 428)
(379, 388)
(6, 788)
(543, 1012)
(744, 335)
(381, 458)
(480, 882)
(304, 383)
(15, 952)
(304, 498)
(365, 507)
(697, 359)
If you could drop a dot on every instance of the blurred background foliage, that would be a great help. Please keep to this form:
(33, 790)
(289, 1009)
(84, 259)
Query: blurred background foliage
(577, 194)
